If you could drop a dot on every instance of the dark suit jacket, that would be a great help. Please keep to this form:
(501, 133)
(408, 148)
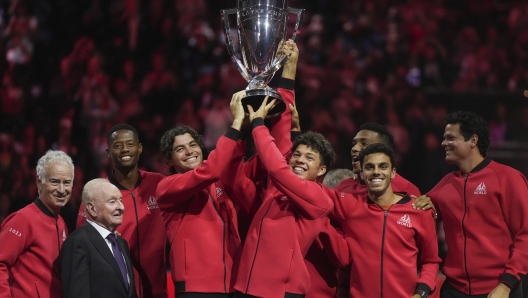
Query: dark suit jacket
(89, 269)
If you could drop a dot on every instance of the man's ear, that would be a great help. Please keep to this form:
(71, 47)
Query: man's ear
(90, 207)
(39, 185)
(322, 171)
(473, 141)
(393, 173)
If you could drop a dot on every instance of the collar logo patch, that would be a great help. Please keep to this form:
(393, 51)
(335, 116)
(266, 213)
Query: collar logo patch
(152, 203)
(481, 189)
(405, 221)
(219, 192)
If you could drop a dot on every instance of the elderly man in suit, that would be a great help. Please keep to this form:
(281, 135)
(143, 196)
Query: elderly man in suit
(95, 262)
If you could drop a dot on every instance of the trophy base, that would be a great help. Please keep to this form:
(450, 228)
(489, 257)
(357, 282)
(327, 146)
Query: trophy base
(255, 97)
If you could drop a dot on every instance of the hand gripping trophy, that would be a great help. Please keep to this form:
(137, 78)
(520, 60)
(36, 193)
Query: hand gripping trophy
(261, 30)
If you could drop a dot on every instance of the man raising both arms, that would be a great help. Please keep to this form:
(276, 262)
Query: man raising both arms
(290, 217)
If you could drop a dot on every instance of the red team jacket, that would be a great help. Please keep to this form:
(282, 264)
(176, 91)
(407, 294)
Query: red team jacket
(323, 275)
(485, 215)
(148, 252)
(30, 241)
(284, 227)
(202, 223)
(385, 246)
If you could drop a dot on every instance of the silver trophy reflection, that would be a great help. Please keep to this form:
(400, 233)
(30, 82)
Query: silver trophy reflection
(261, 29)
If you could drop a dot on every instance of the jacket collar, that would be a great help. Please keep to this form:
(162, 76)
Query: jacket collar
(113, 180)
(405, 199)
(482, 164)
(43, 208)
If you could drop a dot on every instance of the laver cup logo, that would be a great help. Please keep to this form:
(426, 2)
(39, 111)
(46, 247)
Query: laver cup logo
(152, 203)
(481, 189)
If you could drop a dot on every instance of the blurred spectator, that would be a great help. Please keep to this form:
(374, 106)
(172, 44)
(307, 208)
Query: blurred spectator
(216, 120)
(158, 88)
(498, 125)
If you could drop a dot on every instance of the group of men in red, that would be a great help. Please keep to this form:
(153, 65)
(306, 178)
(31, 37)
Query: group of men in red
(269, 227)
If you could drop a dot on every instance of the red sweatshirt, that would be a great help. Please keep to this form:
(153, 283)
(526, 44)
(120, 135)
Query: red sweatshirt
(385, 246)
(485, 215)
(31, 239)
(355, 187)
(284, 227)
(202, 223)
(147, 243)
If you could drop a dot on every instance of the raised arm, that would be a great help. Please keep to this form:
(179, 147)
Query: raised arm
(237, 185)
(175, 190)
(307, 195)
(280, 129)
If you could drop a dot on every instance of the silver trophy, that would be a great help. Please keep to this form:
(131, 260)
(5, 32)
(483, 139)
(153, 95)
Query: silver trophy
(261, 29)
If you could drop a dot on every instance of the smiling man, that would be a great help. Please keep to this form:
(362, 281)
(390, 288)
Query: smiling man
(484, 208)
(142, 226)
(372, 133)
(31, 238)
(200, 216)
(386, 235)
(290, 217)
(95, 262)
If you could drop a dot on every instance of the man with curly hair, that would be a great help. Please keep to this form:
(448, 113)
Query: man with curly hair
(290, 217)
(201, 218)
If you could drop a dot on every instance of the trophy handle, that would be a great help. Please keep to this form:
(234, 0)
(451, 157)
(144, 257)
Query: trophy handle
(262, 76)
(229, 42)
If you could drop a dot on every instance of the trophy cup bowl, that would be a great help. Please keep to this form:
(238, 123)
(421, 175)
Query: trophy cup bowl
(261, 29)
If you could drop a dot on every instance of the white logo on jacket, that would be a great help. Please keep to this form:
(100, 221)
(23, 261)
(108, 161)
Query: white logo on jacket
(284, 198)
(219, 192)
(63, 235)
(15, 232)
(405, 221)
(481, 189)
(152, 203)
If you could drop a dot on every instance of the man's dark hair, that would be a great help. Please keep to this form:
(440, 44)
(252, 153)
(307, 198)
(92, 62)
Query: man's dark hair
(318, 143)
(384, 134)
(122, 126)
(377, 148)
(167, 140)
(471, 124)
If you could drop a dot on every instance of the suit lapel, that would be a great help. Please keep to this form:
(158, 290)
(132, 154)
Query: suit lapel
(101, 246)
